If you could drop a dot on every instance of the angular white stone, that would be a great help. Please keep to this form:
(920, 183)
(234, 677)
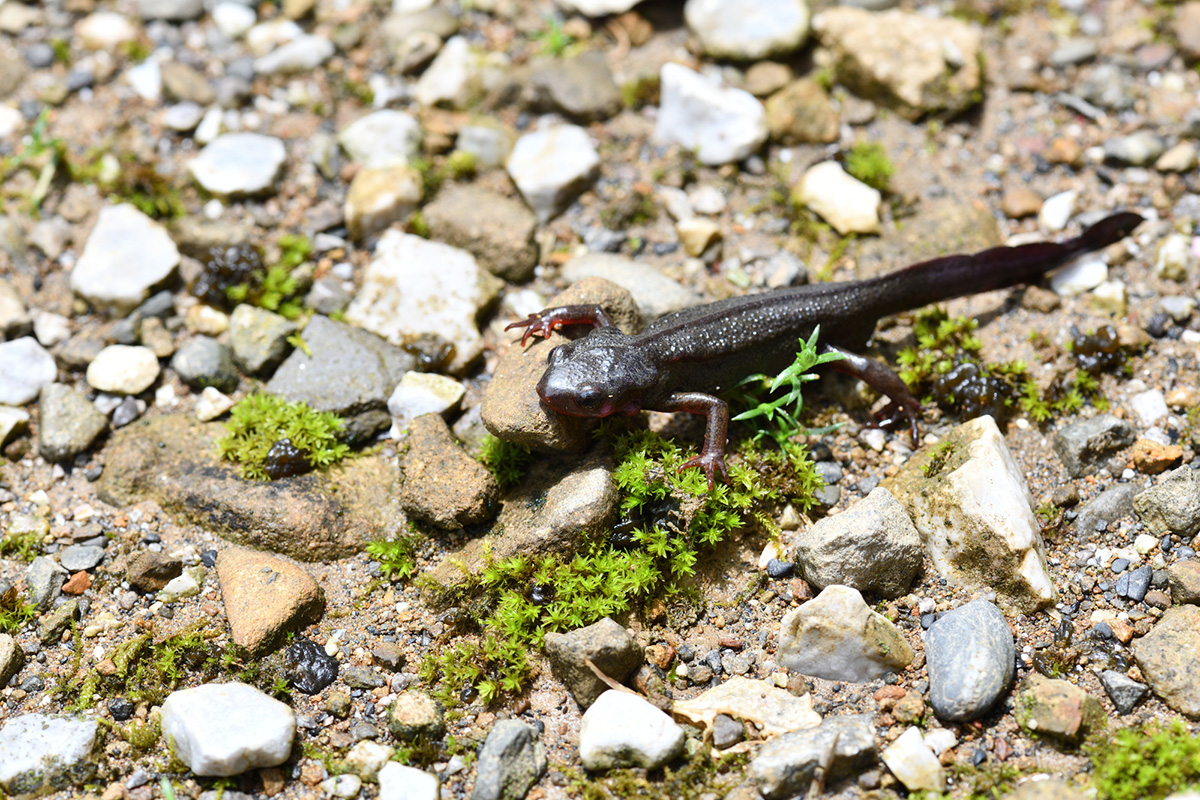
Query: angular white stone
(266, 36)
(123, 369)
(552, 167)
(222, 729)
(414, 286)
(1079, 276)
(721, 124)
(911, 760)
(25, 367)
(1057, 210)
(1175, 258)
(126, 255)
(366, 758)
(105, 30)
(747, 30)
(398, 782)
(146, 80)
(12, 420)
(1150, 406)
(212, 403)
(422, 393)
(459, 75)
(38, 751)
(597, 8)
(305, 52)
(239, 164)
(233, 20)
(845, 202)
(386, 138)
(624, 730)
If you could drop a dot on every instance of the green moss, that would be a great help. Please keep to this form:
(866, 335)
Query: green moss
(506, 461)
(461, 164)
(869, 162)
(258, 421)
(395, 557)
(699, 775)
(23, 545)
(15, 613)
(1147, 763)
(553, 40)
(642, 91)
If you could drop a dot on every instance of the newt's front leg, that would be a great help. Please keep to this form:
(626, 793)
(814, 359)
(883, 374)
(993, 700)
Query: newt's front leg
(716, 412)
(548, 320)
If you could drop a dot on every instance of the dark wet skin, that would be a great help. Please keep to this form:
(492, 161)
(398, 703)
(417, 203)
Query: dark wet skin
(682, 359)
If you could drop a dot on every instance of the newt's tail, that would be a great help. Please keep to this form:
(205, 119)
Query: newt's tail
(996, 268)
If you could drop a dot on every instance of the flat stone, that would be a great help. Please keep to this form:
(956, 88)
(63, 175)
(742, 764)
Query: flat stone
(625, 730)
(171, 10)
(41, 754)
(79, 557)
(720, 124)
(239, 165)
(911, 760)
(413, 286)
(222, 729)
(1124, 692)
(496, 229)
(304, 53)
(511, 761)
(43, 582)
(1085, 446)
(1184, 579)
(553, 166)
(69, 424)
(1172, 506)
(127, 255)
(787, 764)
(1167, 657)
(423, 393)
(203, 361)
(149, 571)
(265, 597)
(606, 644)
(597, 8)
(105, 30)
(25, 369)
(747, 30)
(258, 338)
(1057, 710)
(121, 369)
(772, 710)
(970, 655)
(441, 484)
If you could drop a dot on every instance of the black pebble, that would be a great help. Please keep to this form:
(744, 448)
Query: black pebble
(310, 668)
(778, 568)
(120, 708)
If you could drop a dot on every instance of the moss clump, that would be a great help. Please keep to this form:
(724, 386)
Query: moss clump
(1147, 763)
(260, 423)
(700, 775)
(506, 461)
(14, 611)
(869, 162)
(670, 520)
(395, 558)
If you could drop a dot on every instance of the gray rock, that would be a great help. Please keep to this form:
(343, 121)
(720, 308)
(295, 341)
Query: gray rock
(1167, 658)
(606, 644)
(221, 729)
(720, 124)
(1173, 505)
(1109, 506)
(170, 10)
(1124, 692)
(362, 678)
(80, 557)
(127, 254)
(747, 30)
(553, 166)
(510, 762)
(325, 297)
(414, 287)
(1074, 51)
(802, 113)
(69, 424)
(786, 765)
(239, 165)
(1108, 86)
(258, 338)
(727, 731)
(872, 546)
(351, 372)
(497, 230)
(442, 485)
(1084, 446)
(304, 53)
(149, 571)
(1137, 149)
(415, 714)
(838, 637)
(487, 141)
(206, 362)
(25, 369)
(41, 754)
(654, 293)
(44, 579)
(1134, 583)
(580, 87)
(15, 321)
(12, 658)
(970, 656)
(54, 624)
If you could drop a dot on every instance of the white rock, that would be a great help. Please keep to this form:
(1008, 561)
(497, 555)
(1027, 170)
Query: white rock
(676, 202)
(125, 256)
(490, 145)
(212, 403)
(721, 124)
(12, 421)
(624, 730)
(366, 758)
(183, 117)
(940, 740)
(146, 80)
(414, 286)
(914, 763)
(49, 328)
(654, 293)
(552, 167)
(1079, 276)
(25, 367)
(696, 234)
(123, 369)
(747, 30)
(12, 122)
(459, 75)
(233, 20)
(266, 36)
(211, 125)
(1110, 297)
(182, 586)
(39, 753)
(1150, 406)
(977, 520)
(422, 393)
(380, 196)
(1175, 258)
(386, 138)
(1178, 307)
(411, 6)
(239, 164)
(398, 782)
(1057, 210)
(837, 636)
(706, 199)
(345, 786)
(221, 729)
(1180, 158)
(302, 54)
(597, 8)
(845, 202)
(1144, 543)
(105, 30)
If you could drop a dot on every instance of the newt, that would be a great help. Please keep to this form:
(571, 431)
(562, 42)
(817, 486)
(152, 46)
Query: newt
(682, 359)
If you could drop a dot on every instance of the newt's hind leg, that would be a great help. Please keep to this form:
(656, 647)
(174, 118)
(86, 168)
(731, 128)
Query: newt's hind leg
(880, 377)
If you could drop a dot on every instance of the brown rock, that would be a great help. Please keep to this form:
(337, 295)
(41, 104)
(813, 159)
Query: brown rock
(1035, 298)
(1184, 579)
(1150, 457)
(184, 83)
(1158, 598)
(272, 780)
(765, 78)
(78, 583)
(1063, 151)
(441, 484)
(1053, 789)
(415, 714)
(802, 113)
(265, 596)
(1058, 710)
(149, 571)
(496, 229)
(1187, 30)
(660, 655)
(388, 655)
(1020, 202)
(1167, 658)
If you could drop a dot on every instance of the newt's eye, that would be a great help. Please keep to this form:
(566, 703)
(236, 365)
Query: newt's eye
(589, 398)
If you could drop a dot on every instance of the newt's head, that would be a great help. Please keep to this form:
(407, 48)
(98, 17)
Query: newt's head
(596, 376)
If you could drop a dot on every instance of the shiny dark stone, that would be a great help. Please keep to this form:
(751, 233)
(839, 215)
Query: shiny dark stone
(310, 668)
(778, 568)
(209, 558)
(120, 708)
(225, 269)
(541, 594)
(284, 460)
